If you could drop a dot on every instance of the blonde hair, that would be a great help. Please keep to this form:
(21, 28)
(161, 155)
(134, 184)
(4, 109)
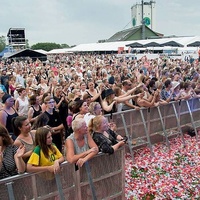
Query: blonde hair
(95, 123)
(77, 123)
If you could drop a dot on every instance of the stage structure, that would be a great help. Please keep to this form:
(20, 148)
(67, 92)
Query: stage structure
(16, 38)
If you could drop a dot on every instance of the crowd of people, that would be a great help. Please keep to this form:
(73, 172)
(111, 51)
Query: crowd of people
(57, 107)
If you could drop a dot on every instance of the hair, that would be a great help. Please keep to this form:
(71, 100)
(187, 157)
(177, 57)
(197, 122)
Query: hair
(32, 99)
(17, 123)
(117, 91)
(77, 123)
(41, 141)
(86, 96)
(42, 120)
(167, 83)
(92, 107)
(5, 136)
(95, 123)
(48, 98)
(20, 90)
(75, 106)
(44, 96)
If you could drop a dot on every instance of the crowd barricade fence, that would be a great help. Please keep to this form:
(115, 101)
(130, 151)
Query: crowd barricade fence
(102, 177)
(150, 125)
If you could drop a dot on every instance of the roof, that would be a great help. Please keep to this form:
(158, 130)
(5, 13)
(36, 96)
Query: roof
(113, 46)
(28, 53)
(125, 34)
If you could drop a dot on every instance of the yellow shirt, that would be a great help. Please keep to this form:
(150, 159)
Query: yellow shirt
(38, 159)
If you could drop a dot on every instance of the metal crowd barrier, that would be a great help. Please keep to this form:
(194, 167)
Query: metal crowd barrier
(100, 178)
(150, 125)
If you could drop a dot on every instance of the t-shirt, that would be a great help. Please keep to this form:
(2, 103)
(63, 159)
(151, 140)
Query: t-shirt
(38, 158)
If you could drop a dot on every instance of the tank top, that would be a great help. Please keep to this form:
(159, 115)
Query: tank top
(77, 149)
(9, 120)
(36, 112)
(23, 106)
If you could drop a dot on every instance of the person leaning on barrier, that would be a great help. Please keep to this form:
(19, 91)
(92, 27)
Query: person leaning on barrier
(142, 102)
(11, 161)
(45, 156)
(80, 146)
(107, 141)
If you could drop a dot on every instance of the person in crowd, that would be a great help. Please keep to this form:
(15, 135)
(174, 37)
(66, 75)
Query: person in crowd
(107, 141)
(167, 92)
(34, 109)
(188, 91)
(80, 146)
(19, 78)
(61, 102)
(22, 103)
(2, 87)
(54, 122)
(7, 113)
(79, 108)
(11, 161)
(94, 110)
(45, 156)
(1, 95)
(41, 121)
(143, 102)
(22, 130)
(5, 80)
(95, 93)
(12, 86)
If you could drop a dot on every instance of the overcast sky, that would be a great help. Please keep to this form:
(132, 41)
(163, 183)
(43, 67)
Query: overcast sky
(76, 22)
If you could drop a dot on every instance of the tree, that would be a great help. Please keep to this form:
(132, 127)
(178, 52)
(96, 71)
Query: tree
(64, 46)
(2, 43)
(48, 46)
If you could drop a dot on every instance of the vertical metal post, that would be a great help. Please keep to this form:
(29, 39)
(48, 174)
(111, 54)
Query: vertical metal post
(59, 187)
(10, 191)
(87, 167)
(129, 137)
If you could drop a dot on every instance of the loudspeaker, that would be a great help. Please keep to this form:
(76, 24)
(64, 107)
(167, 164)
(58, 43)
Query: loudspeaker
(16, 36)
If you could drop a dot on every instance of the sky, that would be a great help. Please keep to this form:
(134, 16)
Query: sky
(76, 22)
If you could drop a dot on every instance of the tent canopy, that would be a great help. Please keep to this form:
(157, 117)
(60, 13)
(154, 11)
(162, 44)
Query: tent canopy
(152, 44)
(172, 44)
(135, 45)
(194, 44)
(29, 53)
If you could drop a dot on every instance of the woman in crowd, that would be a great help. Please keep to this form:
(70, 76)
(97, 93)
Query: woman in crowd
(54, 122)
(79, 108)
(22, 103)
(11, 161)
(22, 130)
(34, 109)
(143, 102)
(94, 92)
(7, 113)
(80, 146)
(108, 142)
(45, 156)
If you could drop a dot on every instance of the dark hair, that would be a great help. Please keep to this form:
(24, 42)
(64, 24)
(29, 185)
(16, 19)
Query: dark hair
(41, 141)
(5, 135)
(32, 99)
(20, 90)
(167, 83)
(41, 120)
(17, 123)
(75, 106)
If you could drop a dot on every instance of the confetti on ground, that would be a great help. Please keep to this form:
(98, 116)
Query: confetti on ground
(170, 174)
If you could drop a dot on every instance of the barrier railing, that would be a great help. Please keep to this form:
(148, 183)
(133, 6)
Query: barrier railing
(106, 178)
(150, 125)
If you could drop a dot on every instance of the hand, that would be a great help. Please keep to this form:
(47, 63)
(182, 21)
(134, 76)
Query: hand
(56, 167)
(20, 151)
(80, 162)
(93, 149)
